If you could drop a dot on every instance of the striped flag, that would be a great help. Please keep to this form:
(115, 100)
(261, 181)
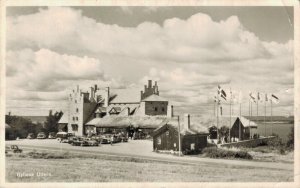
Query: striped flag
(274, 99)
(221, 92)
(258, 97)
(252, 98)
(266, 97)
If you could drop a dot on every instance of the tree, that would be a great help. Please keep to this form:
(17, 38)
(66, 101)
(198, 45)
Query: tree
(290, 141)
(21, 126)
(212, 132)
(51, 124)
(224, 133)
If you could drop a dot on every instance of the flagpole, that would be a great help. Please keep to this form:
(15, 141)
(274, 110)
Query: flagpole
(218, 118)
(240, 122)
(271, 118)
(265, 115)
(215, 107)
(230, 114)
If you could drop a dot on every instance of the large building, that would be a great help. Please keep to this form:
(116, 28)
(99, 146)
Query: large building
(88, 112)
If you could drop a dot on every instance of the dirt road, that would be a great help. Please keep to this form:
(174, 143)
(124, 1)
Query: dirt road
(140, 149)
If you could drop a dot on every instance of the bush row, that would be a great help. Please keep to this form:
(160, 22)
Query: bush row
(214, 152)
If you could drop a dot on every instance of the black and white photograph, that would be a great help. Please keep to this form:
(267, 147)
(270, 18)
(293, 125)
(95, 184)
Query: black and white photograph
(144, 93)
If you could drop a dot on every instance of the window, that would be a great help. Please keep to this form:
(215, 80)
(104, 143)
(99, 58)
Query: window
(163, 109)
(77, 110)
(73, 118)
(192, 146)
(74, 127)
(155, 109)
(158, 140)
(75, 101)
(76, 118)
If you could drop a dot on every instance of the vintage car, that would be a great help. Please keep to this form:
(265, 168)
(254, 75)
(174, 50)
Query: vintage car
(63, 137)
(52, 135)
(105, 139)
(41, 135)
(30, 136)
(80, 141)
(13, 148)
(92, 142)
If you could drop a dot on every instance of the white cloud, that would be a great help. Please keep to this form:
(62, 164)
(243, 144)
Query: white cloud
(57, 47)
(196, 39)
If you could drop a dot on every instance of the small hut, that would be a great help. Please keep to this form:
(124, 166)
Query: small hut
(192, 139)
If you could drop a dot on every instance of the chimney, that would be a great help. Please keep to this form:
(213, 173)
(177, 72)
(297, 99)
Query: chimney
(155, 83)
(186, 121)
(95, 88)
(149, 83)
(145, 88)
(92, 94)
(141, 95)
(9, 113)
(107, 97)
(170, 111)
(128, 111)
(97, 113)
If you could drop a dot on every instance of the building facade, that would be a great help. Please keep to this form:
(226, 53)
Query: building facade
(86, 109)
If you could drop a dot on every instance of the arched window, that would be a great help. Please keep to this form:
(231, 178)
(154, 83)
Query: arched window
(77, 110)
(155, 109)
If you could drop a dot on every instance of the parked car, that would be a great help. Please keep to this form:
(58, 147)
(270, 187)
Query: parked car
(61, 135)
(80, 141)
(30, 136)
(71, 139)
(92, 142)
(105, 139)
(41, 135)
(124, 138)
(52, 135)
(13, 148)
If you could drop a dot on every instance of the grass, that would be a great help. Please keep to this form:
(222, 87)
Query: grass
(88, 168)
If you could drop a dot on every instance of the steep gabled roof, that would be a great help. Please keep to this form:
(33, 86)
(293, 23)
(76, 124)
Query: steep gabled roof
(154, 97)
(63, 119)
(125, 96)
(210, 121)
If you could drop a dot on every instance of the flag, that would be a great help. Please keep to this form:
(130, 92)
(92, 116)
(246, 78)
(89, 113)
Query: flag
(266, 97)
(274, 99)
(252, 98)
(216, 99)
(221, 92)
(258, 97)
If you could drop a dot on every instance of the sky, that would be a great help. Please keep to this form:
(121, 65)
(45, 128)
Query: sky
(188, 50)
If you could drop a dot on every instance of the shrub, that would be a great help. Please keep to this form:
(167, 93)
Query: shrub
(44, 155)
(213, 152)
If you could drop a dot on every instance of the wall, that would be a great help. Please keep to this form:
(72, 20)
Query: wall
(161, 106)
(199, 142)
(168, 139)
(248, 143)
